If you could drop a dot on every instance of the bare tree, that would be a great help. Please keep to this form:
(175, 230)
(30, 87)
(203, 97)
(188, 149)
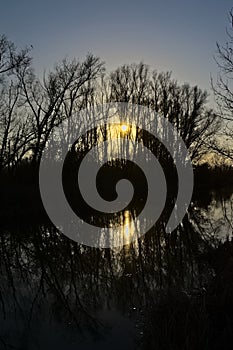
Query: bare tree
(184, 106)
(130, 83)
(223, 91)
(31, 108)
(11, 58)
(13, 126)
(62, 92)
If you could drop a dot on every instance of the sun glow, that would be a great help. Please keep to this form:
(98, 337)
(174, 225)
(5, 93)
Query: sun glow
(124, 127)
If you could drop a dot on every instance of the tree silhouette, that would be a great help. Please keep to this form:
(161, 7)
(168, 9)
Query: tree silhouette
(223, 91)
(14, 134)
(183, 105)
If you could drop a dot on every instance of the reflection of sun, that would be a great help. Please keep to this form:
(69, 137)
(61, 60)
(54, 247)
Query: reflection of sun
(124, 127)
(128, 227)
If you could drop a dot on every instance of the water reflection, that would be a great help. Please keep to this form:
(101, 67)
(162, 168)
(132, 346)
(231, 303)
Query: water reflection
(216, 216)
(90, 298)
(128, 228)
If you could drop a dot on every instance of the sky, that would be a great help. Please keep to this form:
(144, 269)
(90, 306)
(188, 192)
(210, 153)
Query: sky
(178, 36)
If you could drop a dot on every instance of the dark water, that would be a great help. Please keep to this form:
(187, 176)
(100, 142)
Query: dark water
(55, 293)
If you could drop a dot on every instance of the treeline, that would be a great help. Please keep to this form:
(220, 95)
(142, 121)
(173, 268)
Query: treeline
(212, 177)
(30, 107)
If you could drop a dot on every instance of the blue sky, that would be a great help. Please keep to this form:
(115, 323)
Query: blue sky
(169, 35)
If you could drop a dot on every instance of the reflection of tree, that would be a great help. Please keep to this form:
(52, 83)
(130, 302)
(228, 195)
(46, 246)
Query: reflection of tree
(69, 283)
(200, 318)
(213, 215)
(79, 278)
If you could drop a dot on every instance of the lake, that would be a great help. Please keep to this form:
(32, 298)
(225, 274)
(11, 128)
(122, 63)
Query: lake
(55, 293)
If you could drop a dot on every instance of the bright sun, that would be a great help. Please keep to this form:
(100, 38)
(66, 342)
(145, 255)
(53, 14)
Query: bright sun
(124, 127)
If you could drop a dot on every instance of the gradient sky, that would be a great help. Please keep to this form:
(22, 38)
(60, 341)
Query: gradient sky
(177, 35)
